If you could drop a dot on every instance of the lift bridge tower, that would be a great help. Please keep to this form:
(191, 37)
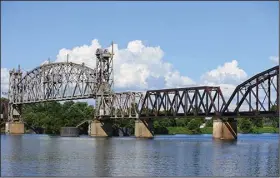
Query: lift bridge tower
(105, 83)
(23, 90)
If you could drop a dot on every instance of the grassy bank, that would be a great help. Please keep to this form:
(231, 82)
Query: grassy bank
(265, 130)
(208, 130)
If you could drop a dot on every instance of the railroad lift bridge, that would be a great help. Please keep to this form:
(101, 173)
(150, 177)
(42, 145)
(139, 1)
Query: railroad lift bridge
(61, 81)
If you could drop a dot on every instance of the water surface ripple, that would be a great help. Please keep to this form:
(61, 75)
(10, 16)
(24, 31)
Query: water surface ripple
(176, 155)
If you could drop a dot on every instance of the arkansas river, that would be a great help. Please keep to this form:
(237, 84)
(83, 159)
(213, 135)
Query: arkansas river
(164, 155)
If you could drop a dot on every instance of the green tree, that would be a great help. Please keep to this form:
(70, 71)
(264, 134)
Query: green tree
(51, 116)
(194, 125)
(209, 123)
(275, 120)
(181, 122)
(257, 122)
(159, 129)
(245, 125)
(4, 99)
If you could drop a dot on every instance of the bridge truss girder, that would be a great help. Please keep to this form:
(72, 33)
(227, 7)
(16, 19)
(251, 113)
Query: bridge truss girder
(54, 82)
(256, 97)
(126, 104)
(203, 101)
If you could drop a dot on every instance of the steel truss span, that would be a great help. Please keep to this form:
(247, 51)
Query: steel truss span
(183, 102)
(54, 81)
(256, 97)
(126, 104)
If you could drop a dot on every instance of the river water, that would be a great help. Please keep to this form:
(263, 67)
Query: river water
(176, 155)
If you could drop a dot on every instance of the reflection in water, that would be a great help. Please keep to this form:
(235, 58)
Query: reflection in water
(257, 160)
(272, 160)
(42, 155)
(15, 152)
(102, 149)
(196, 156)
(225, 157)
(50, 156)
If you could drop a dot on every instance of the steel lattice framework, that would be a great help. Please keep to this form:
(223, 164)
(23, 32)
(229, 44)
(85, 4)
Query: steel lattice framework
(258, 96)
(183, 102)
(127, 104)
(54, 81)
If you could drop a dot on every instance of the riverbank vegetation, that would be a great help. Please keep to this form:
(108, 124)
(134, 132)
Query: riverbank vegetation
(49, 117)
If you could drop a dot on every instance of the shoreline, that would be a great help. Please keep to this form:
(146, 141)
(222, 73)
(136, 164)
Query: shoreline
(201, 131)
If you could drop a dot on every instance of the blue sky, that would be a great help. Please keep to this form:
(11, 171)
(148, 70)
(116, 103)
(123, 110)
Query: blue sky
(195, 37)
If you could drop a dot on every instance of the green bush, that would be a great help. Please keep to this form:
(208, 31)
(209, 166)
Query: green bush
(257, 122)
(159, 129)
(209, 123)
(180, 123)
(258, 130)
(193, 126)
(207, 130)
(245, 125)
(275, 122)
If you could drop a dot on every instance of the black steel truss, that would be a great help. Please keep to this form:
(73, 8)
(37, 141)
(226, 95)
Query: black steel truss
(256, 97)
(183, 102)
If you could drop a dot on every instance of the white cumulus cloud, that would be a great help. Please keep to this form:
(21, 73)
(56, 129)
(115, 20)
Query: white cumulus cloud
(229, 73)
(135, 66)
(227, 77)
(274, 59)
(4, 81)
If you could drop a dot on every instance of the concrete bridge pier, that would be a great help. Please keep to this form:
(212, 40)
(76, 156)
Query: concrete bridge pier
(144, 128)
(225, 129)
(98, 128)
(14, 127)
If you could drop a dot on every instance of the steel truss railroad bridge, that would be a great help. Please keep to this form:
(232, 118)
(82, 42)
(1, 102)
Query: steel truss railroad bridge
(256, 97)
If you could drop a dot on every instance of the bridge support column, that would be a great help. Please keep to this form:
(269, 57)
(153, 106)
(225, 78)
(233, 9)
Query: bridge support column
(14, 128)
(225, 129)
(101, 128)
(144, 128)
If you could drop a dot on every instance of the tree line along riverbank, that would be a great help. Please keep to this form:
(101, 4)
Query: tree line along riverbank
(49, 117)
